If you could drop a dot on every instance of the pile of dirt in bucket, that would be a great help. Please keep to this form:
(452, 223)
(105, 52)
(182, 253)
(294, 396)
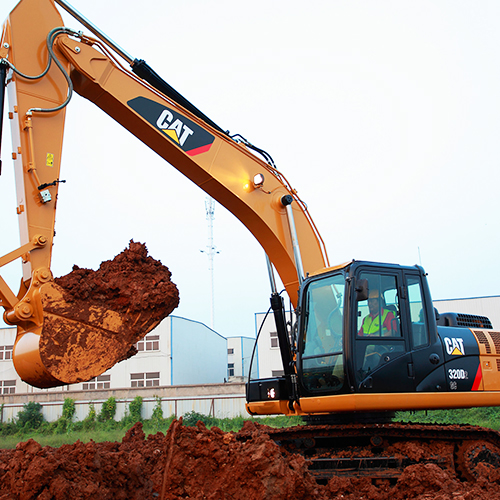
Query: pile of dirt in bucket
(92, 319)
(198, 463)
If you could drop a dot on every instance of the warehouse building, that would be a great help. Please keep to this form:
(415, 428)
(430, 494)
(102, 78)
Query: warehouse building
(480, 306)
(177, 352)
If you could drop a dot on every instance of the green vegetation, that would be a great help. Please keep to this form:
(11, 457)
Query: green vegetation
(108, 410)
(30, 417)
(235, 424)
(483, 417)
(135, 410)
(102, 426)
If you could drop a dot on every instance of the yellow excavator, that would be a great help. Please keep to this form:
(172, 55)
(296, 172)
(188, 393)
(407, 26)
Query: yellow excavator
(367, 341)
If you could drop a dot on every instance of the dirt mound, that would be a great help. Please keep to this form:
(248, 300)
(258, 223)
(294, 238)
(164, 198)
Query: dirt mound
(131, 282)
(92, 319)
(194, 462)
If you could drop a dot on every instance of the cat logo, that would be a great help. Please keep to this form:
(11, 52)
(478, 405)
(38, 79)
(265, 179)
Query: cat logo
(189, 136)
(454, 347)
(175, 129)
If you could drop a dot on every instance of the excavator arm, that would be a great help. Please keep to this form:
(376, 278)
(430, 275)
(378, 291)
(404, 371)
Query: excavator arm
(46, 63)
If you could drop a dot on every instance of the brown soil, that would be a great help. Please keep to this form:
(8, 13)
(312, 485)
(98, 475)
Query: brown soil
(197, 463)
(92, 319)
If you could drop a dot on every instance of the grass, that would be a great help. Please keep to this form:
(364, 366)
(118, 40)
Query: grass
(51, 435)
(483, 417)
(115, 431)
(56, 440)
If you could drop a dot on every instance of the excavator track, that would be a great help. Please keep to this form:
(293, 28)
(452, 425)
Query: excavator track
(385, 450)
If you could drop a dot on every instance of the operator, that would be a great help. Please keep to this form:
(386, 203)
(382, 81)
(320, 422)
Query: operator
(371, 322)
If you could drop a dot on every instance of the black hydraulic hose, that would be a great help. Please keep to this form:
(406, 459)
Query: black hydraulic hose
(267, 156)
(142, 70)
(254, 351)
(3, 79)
(53, 34)
(284, 344)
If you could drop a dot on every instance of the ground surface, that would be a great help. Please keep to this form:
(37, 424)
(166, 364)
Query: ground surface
(197, 463)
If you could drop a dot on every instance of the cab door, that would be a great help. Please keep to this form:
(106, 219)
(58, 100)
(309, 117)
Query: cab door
(427, 350)
(382, 349)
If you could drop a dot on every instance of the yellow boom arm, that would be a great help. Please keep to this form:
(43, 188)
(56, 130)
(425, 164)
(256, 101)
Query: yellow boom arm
(35, 43)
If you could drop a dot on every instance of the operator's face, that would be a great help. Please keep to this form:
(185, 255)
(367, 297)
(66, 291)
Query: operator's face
(373, 306)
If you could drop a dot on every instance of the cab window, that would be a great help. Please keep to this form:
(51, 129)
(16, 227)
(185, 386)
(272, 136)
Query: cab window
(378, 316)
(379, 337)
(322, 346)
(419, 332)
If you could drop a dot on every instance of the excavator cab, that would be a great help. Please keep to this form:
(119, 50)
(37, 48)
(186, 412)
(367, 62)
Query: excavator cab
(363, 328)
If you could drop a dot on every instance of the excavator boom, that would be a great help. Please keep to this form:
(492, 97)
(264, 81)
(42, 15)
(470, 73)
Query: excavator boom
(46, 63)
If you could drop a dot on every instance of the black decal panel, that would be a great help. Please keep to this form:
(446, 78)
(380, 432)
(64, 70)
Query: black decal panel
(186, 134)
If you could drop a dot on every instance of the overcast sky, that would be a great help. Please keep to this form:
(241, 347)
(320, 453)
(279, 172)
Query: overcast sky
(384, 115)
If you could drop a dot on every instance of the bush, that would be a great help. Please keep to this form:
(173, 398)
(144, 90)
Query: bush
(134, 412)
(69, 409)
(157, 421)
(30, 417)
(135, 409)
(89, 420)
(65, 422)
(191, 418)
(77, 426)
(157, 410)
(8, 428)
(108, 410)
(157, 415)
(48, 428)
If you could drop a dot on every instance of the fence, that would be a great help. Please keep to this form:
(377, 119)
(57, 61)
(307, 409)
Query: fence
(218, 401)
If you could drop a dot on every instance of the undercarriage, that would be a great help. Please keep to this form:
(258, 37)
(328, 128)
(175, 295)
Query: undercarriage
(382, 451)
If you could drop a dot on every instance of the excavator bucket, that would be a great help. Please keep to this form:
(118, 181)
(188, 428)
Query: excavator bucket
(92, 319)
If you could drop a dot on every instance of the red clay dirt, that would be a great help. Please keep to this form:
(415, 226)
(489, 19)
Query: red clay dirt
(92, 319)
(198, 463)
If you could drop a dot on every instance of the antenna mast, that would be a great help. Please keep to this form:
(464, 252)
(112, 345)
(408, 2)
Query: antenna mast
(211, 251)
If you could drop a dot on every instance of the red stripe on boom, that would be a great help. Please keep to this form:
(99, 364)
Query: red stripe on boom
(197, 151)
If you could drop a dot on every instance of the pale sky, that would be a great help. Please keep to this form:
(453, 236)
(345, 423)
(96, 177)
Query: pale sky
(384, 115)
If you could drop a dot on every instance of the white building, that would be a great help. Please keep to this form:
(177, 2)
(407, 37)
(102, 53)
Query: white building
(177, 352)
(268, 352)
(239, 354)
(182, 362)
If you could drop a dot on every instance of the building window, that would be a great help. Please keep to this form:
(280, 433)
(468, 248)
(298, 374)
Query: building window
(6, 352)
(277, 373)
(100, 382)
(149, 343)
(230, 351)
(7, 386)
(230, 370)
(274, 339)
(151, 379)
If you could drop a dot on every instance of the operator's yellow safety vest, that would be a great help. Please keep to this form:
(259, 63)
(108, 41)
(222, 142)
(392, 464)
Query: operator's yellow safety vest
(371, 326)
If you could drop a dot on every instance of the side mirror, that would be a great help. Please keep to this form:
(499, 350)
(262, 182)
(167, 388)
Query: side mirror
(361, 290)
